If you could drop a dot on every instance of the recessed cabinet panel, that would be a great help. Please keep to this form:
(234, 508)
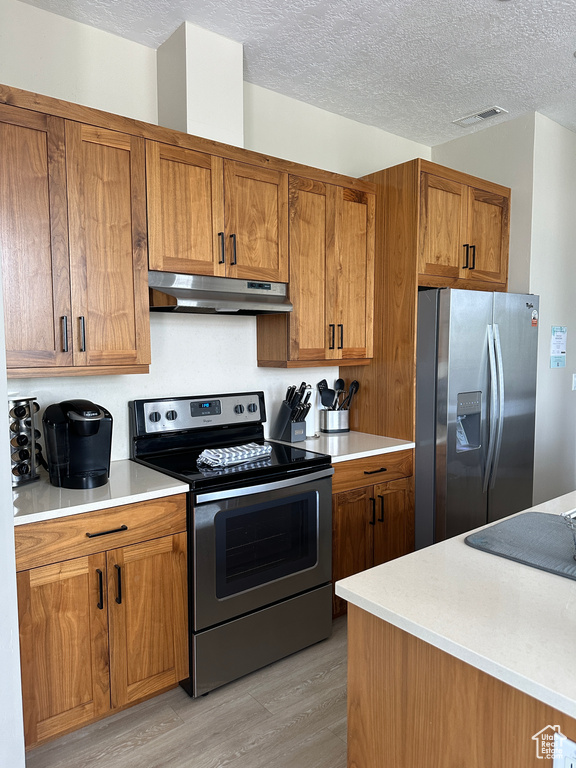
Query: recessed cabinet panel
(107, 246)
(185, 210)
(488, 232)
(442, 222)
(256, 213)
(34, 238)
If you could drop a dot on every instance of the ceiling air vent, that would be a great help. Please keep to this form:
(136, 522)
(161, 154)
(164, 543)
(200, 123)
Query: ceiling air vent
(477, 117)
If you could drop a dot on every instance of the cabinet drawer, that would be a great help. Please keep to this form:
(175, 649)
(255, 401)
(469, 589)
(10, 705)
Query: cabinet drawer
(63, 538)
(371, 469)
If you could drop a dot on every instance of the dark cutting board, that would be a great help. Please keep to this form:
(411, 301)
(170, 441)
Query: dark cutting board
(533, 538)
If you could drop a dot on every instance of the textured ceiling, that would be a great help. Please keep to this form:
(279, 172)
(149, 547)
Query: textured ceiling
(407, 66)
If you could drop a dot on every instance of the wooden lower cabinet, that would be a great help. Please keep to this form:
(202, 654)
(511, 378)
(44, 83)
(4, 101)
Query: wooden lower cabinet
(102, 631)
(370, 525)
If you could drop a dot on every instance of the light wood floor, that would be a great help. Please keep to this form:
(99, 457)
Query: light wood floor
(291, 714)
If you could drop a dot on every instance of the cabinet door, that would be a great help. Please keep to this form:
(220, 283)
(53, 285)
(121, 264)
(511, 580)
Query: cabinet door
(350, 267)
(108, 246)
(185, 210)
(64, 646)
(256, 210)
(353, 516)
(308, 325)
(148, 618)
(394, 529)
(34, 238)
(488, 233)
(443, 216)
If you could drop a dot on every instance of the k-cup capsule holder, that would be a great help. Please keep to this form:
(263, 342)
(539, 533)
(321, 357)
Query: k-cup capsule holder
(25, 445)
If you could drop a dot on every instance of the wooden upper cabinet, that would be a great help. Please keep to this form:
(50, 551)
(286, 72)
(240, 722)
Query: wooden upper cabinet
(185, 210)
(331, 233)
(464, 231)
(256, 216)
(73, 241)
(108, 246)
(443, 206)
(34, 238)
(488, 233)
(350, 269)
(209, 216)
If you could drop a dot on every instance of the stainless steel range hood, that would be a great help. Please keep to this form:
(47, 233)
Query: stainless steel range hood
(204, 294)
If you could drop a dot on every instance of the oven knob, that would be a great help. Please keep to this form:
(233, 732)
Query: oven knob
(171, 415)
(238, 409)
(155, 416)
(252, 407)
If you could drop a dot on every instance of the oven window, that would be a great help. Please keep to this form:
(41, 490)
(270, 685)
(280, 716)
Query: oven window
(264, 542)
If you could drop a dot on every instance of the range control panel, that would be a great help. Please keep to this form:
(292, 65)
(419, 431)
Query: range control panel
(175, 414)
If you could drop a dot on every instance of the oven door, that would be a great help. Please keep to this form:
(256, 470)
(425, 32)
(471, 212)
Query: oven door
(258, 545)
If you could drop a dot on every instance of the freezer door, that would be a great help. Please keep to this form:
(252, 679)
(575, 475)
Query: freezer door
(463, 405)
(516, 320)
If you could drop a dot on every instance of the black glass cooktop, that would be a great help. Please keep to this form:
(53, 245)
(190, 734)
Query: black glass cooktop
(283, 461)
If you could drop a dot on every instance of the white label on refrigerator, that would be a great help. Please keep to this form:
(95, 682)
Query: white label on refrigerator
(558, 346)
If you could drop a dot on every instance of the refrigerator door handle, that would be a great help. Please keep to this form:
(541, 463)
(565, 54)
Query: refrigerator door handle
(493, 408)
(500, 369)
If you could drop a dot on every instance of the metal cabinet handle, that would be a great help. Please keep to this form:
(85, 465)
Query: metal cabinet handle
(64, 322)
(373, 521)
(467, 247)
(118, 584)
(341, 336)
(332, 333)
(381, 518)
(100, 603)
(375, 471)
(233, 249)
(222, 259)
(82, 334)
(473, 249)
(105, 533)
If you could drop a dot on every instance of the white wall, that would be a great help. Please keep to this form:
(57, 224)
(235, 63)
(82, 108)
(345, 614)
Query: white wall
(283, 127)
(537, 159)
(553, 275)
(58, 57)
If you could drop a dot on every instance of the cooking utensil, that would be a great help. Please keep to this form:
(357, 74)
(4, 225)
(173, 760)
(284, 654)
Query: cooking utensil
(322, 385)
(346, 403)
(327, 398)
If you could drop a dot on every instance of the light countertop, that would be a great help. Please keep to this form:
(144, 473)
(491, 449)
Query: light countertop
(515, 622)
(129, 483)
(351, 445)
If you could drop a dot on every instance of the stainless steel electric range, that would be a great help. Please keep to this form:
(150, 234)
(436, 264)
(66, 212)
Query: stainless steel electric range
(259, 532)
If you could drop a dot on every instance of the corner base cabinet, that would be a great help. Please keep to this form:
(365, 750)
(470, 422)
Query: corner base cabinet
(103, 613)
(371, 522)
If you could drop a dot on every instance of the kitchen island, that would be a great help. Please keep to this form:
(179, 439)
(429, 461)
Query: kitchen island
(458, 658)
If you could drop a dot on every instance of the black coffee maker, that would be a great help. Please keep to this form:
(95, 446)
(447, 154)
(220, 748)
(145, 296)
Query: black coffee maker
(78, 438)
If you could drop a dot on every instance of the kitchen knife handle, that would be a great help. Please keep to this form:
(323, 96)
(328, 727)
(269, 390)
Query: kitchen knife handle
(100, 603)
(341, 336)
(373, 521)
(64, 322)
(222, 259)
(332, 333)
(381, 518)
(467, 246)
(233, 249)
(118, 584)
(82, 334)
(473, 249)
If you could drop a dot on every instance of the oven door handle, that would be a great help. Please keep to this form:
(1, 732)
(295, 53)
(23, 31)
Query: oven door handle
(234, 493)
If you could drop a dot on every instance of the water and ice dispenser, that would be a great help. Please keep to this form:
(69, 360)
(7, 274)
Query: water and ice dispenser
(468, 416)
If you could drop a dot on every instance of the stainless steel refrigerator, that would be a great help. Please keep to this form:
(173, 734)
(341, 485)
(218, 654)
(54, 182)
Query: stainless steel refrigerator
(475, 400)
